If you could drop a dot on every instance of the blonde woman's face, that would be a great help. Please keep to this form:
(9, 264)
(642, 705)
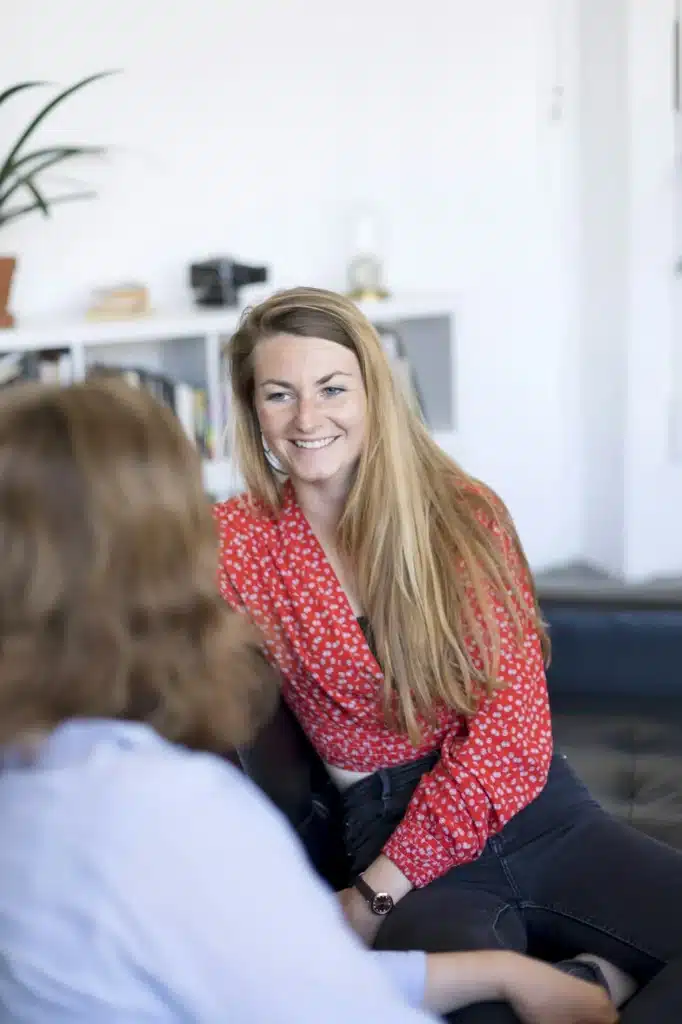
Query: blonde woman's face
(311, 406)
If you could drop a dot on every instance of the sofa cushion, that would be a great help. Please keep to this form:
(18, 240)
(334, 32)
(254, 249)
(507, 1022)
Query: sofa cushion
(615, 684)
(630, 757)
(614, 648)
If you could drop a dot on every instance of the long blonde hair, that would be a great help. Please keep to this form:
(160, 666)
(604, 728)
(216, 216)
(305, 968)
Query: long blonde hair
(432, 548)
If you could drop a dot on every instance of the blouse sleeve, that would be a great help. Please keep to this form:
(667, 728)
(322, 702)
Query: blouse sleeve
(486, 777)
(228, 591)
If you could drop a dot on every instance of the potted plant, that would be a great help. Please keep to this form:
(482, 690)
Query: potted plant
(21, 190)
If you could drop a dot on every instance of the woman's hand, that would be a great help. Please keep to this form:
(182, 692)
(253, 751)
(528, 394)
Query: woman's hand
(359, 916)
(382, 876)
(541, 994)
(538, 992)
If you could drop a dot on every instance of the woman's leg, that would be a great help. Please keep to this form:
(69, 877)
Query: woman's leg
(444, 918)
(476, 906)
(587, 883)
(605, 888)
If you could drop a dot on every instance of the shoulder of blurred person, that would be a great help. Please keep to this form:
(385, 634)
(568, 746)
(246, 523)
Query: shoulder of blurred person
(142, 881)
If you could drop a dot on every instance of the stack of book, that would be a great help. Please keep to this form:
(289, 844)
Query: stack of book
(189, 404)
(120, 303)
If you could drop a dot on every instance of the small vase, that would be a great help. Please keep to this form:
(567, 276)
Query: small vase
(7, 267)
(365, 268)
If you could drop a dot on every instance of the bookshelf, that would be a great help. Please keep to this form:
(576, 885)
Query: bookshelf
(185, 350)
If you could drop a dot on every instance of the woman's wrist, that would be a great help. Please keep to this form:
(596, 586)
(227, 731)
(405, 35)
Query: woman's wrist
(383, 875)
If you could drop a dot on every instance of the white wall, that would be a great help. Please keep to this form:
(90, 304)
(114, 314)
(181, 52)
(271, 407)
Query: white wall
(630, 337)
(603, 204)
(253, 128)
(653, 489)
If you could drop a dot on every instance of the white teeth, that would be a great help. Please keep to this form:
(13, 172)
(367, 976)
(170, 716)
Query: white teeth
(321, 443)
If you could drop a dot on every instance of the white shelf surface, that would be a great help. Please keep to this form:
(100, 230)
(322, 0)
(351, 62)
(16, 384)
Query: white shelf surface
(154, 327)
(192, 322)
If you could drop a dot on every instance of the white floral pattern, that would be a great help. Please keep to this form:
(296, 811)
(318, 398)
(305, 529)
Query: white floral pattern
(491, 766)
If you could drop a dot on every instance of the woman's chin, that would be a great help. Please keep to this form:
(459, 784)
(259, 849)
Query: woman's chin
(318, 475)
(311, 476)
(311, 464)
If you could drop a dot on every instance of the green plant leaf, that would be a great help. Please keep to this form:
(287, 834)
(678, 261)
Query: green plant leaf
(58, 157)
(22, 211)
(18, 88)
(65, 151)
(42, 114)
(40, 201)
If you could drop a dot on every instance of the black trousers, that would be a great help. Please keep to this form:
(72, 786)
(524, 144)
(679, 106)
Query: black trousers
(563, 877)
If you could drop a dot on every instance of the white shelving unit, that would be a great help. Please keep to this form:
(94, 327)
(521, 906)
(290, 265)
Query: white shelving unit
(187, 345)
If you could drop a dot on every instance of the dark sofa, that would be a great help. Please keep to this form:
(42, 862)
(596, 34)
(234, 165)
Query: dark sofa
(615, 684)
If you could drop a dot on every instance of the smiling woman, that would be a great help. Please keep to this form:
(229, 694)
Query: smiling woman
(395, 597)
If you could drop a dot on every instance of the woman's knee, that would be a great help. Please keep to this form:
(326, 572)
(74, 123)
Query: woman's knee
(438, 920)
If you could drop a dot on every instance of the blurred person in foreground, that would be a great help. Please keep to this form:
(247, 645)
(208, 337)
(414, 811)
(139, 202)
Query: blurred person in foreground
(143, 878)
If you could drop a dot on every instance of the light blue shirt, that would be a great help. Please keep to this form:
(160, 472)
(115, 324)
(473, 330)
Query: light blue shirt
(143, 883)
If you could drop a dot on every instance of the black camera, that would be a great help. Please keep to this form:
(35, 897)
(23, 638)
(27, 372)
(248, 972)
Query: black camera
(217, 282)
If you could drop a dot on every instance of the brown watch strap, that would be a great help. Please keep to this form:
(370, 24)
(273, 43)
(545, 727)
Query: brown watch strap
(380, 903)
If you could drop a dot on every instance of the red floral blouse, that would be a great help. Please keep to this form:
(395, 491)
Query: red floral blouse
(490, 767)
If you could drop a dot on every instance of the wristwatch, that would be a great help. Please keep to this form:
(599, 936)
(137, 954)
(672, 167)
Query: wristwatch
(380, 903)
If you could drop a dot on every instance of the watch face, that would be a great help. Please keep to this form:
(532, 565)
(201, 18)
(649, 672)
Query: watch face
(382, 904)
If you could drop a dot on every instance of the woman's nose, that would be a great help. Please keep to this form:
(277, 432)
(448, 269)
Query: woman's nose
(306, 414)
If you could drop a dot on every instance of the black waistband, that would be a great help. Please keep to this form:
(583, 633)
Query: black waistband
(387, 781)
(562, 791)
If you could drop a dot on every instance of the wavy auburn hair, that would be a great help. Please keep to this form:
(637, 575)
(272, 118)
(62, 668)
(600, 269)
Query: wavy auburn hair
(109, 602)
(432, 548)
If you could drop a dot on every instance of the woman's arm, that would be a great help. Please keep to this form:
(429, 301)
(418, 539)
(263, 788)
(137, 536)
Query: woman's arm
(500, 764)
(483, 779)
(480, 782)
(477, 786)
(537, 992)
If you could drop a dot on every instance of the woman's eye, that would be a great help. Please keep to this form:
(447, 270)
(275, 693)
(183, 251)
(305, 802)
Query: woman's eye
(331, 391)
(276, 396)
